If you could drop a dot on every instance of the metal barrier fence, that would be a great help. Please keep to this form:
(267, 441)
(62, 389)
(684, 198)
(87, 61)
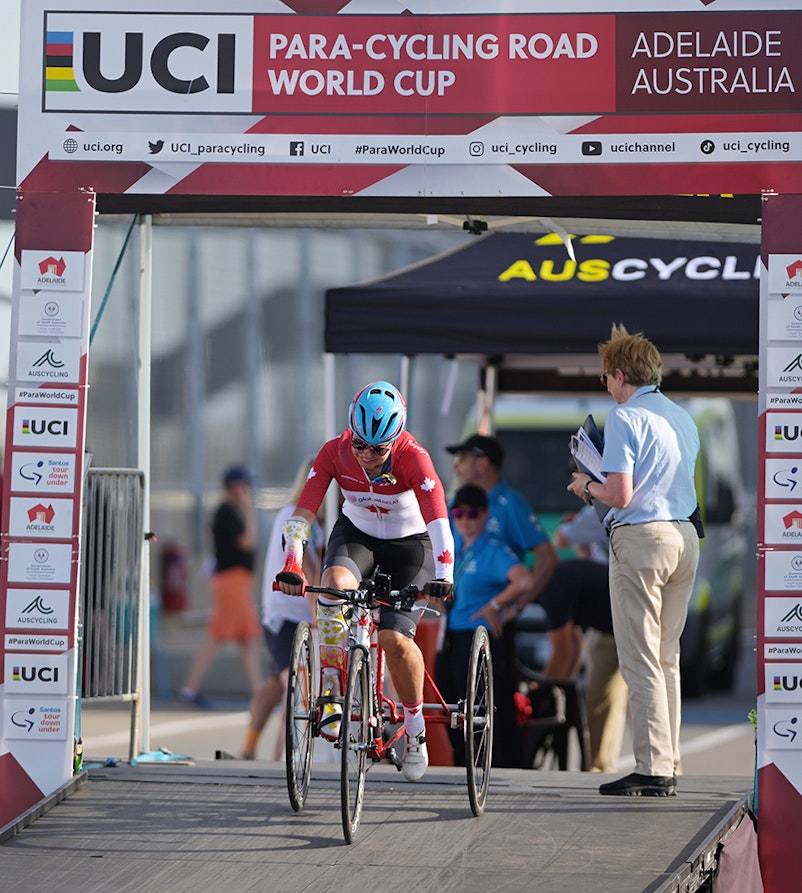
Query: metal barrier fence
(110, 610)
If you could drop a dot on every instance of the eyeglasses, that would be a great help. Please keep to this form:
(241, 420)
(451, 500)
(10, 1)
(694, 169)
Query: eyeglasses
(460, 512)
(603, 378)
(380, 450)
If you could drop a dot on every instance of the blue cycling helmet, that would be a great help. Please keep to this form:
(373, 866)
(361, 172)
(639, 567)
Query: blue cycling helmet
(378, 413)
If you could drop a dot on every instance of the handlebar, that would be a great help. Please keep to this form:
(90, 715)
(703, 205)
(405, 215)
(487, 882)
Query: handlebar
(370, 594)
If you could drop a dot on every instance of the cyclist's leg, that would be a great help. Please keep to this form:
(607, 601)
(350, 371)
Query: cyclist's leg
(408, 561)
(346, 562)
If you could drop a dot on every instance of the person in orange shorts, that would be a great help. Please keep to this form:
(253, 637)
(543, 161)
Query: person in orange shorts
(234, 617)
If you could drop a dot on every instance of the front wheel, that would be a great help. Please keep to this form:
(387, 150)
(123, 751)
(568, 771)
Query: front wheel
(299, 725)
(354, 741)
(479, 720)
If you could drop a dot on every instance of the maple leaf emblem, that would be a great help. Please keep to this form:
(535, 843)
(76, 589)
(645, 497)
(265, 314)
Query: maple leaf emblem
(445, 557)
(428, 485)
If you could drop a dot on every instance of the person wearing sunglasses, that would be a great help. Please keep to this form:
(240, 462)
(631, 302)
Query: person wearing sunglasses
(649, 457)
(394, 518)
(490, 582)
(479, 460)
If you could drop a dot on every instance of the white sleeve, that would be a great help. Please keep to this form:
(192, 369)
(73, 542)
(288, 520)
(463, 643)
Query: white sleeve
(443, 548)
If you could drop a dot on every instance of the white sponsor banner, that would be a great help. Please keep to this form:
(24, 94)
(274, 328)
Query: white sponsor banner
(784, 318)
(782, 651)
(500, 143)
(35, 642)
(783, 729)
(47, 517)
(783, 367)
(34, 719)
(43, 610)
(784, 682)
(779, 401)
(784, 432)
(36, 674)
(52, 316)
(783, 525)
(39, 563)
(52, 362)
(56, 396)
(783, 571)
(783, 618)
(43, 426)
(53, 270)
(784, 479)
(43, 472)
(785, 274)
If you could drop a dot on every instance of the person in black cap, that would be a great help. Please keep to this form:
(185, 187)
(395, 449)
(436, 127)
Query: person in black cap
(234, 617)
(478, 460)
(490, 580)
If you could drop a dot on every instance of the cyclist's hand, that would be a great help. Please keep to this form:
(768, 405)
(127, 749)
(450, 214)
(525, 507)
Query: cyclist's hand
(290, 583)
(439, 589)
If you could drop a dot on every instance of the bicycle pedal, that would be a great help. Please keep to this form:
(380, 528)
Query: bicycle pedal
(393, 757)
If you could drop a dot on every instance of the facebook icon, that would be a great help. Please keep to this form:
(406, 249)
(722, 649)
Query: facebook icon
(296, 147)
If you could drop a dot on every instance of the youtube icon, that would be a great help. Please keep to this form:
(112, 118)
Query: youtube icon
(591, 147)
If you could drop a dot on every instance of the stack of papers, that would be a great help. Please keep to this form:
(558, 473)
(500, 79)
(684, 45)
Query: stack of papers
(587, 446)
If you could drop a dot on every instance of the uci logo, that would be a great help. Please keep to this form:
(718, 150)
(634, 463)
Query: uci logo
(148, 63)
(160, 63)
(34, 674)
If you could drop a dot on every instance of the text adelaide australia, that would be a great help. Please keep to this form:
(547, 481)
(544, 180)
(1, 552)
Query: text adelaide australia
(735, 67)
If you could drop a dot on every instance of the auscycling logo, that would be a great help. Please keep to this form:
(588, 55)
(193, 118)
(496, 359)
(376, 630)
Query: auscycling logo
(795, 366)
(792, 622)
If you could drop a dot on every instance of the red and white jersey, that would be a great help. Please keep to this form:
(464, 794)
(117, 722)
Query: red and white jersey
(415, 503)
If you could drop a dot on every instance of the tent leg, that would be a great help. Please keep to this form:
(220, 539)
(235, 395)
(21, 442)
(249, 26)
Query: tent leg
(330, 429)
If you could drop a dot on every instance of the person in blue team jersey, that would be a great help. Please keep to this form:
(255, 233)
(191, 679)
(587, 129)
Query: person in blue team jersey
(490, 581)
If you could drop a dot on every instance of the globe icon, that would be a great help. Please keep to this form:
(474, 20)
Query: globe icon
(70, 145)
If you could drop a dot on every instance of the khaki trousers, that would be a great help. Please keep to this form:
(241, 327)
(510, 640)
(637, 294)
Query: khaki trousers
(605, 699)
(652, 570)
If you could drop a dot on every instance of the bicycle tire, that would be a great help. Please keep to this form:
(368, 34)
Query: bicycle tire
(300, 716)
(479, 720)
(354, 741)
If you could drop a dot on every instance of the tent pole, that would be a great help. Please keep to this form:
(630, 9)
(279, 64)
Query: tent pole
(330, 430)
(406, 375)
(491, 390)
(143, 463)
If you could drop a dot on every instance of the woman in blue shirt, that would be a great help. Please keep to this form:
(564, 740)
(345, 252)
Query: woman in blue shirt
(490, 581)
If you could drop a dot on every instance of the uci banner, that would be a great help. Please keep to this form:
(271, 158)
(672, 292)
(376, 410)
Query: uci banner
(545, 98)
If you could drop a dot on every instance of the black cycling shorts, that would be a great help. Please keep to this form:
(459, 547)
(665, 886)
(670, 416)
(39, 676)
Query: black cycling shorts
(407, 560)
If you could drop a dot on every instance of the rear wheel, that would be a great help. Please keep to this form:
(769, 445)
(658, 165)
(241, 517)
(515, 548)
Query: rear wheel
(479, 720)
(354, 741)
(299, 737)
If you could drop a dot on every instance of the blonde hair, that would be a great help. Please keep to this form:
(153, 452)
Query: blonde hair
(634, 355)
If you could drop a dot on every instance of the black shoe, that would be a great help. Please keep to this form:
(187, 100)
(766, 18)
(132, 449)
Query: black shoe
(636, 785)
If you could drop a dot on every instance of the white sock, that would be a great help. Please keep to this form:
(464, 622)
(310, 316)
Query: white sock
(414, 723)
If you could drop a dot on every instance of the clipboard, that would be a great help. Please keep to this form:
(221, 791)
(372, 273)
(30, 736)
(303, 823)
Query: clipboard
(586, 447)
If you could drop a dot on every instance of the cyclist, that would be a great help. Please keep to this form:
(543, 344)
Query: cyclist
(394, 516)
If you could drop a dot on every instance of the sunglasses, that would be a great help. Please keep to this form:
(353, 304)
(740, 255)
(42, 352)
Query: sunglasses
(360, 446)
(459, 512)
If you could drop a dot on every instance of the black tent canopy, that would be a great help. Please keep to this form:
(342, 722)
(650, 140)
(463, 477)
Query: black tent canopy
(522, 305)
